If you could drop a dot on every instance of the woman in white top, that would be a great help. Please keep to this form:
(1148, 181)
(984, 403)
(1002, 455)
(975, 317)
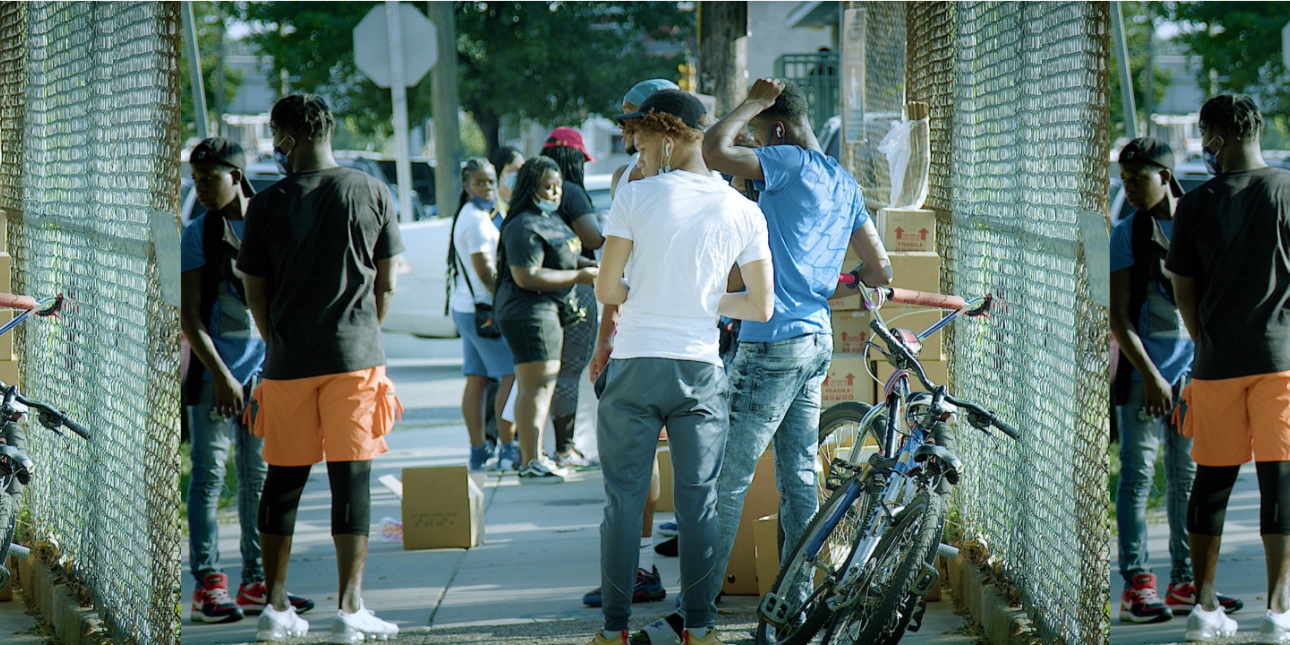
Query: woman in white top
(472, 279)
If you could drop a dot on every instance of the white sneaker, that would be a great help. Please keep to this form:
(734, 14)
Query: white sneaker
(540, 471)
(359, 627)
(1204, 626)
(1275, 629)
(277, 625)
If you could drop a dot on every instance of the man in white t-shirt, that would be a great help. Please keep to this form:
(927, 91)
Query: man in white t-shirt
(678, 232)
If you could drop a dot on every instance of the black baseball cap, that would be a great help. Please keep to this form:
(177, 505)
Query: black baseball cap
(223, 151)
(678, 103)
(1153, 151)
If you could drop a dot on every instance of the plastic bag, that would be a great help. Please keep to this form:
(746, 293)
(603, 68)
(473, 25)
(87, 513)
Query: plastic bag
(909, 161)
(391, 530)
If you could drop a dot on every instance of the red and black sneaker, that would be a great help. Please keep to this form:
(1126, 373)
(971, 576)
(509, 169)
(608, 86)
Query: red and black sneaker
(1141, 604)
(649, 588)
(211, 603)
(253, 598)
(1182, 597)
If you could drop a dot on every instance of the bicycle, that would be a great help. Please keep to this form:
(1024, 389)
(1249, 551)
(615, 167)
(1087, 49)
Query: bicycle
(864, 562)
(16, 468)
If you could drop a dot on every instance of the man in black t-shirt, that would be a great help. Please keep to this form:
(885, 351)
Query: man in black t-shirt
(317, 258)
(1230, 260)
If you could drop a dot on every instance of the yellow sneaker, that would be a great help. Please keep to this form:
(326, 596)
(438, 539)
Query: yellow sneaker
(710, 639)
(623, 639)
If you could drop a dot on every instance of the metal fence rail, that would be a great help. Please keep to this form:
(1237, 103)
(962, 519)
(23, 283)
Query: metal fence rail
(89, 133)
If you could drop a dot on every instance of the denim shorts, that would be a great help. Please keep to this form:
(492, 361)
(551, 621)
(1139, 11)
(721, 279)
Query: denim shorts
(489, 357)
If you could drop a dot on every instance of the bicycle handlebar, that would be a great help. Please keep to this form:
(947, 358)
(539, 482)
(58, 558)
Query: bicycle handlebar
(51, 414)
(908, 296)
(43, 307)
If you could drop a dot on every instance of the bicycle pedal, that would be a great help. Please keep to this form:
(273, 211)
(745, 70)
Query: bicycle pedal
(927, 579)
(773, 610)
(947, 551)
(916, 619)
(840, 471)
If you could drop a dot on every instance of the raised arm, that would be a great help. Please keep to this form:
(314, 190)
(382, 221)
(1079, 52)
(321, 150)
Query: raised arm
(719, 149)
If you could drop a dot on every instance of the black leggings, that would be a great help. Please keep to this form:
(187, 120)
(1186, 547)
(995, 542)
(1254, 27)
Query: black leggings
(351, 497)
(1207, 508)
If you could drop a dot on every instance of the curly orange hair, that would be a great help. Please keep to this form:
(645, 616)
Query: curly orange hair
(662, 123)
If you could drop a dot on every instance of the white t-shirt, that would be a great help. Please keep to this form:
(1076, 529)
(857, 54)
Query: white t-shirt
(475, 233)
(687, 231)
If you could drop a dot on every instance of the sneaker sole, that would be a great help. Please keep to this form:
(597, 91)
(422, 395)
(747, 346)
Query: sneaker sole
(360, 638)
(650, 595)
(1128, 617)
(278, 636)
(198, 617)
(1205, 636)
(1274, 640)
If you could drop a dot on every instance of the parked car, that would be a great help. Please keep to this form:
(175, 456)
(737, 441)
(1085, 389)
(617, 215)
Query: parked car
(373, 166)
(422, 181)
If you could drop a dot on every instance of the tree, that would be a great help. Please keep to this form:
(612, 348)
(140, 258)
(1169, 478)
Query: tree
(208, 18)
(1139, 28)
(1240, 43)
(553, 62)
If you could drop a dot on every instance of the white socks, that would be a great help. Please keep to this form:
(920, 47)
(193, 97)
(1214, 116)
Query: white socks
(697, 632)
(647, 554)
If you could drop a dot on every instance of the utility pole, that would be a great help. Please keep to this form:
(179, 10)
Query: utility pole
(447, 135)
(195, 69)
(723, 53)
(1149, 85)
(1121, 49)
(221, 56)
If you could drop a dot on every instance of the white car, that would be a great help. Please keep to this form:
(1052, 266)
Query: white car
(418, 305)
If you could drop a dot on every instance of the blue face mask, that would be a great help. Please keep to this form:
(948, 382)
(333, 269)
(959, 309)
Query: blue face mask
(1211, 158)
(282, 160)
(547, 205)
(483, 204)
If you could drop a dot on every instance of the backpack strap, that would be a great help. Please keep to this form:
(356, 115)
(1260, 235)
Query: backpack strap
(219, 256)
(1147, 257)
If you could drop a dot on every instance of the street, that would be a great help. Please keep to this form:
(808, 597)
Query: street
(523, 585)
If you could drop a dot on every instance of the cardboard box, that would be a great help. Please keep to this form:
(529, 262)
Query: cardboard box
(907, 229)
(766, 537)
(442, 508)
(665, 502)
(850, 302)
(762, 500)
(847, 380)
(850, 331)
(937, 371)
(919, 271)
(9, 373)
(6, 286)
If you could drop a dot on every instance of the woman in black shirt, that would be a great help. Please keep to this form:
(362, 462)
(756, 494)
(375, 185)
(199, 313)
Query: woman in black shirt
(543, 261)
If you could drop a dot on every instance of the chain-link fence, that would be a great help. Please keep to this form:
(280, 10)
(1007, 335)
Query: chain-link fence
(884, 96)
(89, 136)
(1018, 142)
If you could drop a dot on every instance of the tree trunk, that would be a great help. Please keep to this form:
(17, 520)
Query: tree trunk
(723, 64)
(489, 123)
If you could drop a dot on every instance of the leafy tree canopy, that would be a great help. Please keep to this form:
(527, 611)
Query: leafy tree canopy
(1241, 42)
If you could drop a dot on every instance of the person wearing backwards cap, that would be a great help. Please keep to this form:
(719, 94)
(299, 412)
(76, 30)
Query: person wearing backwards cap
(1155, 359)
(217, 323)
(671, 241)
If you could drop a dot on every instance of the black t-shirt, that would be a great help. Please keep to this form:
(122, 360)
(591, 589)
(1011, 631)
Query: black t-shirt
(574, 205)
(531, 238)
(316, 236)
(1232, 235)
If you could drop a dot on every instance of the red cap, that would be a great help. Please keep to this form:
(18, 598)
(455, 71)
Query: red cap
(566, 137)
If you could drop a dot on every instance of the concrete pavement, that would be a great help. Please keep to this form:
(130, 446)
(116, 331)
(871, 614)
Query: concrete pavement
(523, 585)
(1241, 570)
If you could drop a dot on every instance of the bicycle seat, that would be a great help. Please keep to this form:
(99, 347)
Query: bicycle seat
(951, 464)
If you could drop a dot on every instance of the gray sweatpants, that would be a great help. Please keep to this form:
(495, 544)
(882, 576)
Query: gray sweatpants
(641, 396)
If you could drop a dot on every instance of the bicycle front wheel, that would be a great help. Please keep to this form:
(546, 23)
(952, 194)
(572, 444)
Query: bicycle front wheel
(805, 583)
(879, 612)
(840, 431)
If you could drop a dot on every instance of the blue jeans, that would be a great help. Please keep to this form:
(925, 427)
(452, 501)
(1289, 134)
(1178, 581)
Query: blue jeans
(1139, 444)
(775, 395)
(211, 442)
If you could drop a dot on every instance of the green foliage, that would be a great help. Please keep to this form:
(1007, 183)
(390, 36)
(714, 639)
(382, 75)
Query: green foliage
(1241, 41)
(207, 17)
(1140, 19)
(553, 62)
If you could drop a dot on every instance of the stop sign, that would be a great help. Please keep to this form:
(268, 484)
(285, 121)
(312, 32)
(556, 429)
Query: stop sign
(419, 44)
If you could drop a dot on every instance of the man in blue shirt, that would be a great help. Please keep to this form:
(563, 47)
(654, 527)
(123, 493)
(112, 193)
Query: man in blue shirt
(229, 354)
(813, 208)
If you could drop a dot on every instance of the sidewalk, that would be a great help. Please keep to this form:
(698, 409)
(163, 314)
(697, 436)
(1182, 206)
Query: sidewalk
(523, 585)
(1241, 570)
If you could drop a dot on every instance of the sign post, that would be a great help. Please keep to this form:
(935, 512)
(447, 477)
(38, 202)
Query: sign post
(384, 50)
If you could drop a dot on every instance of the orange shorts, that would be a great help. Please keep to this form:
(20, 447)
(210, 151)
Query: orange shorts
(1231, 419)
(346, 416)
